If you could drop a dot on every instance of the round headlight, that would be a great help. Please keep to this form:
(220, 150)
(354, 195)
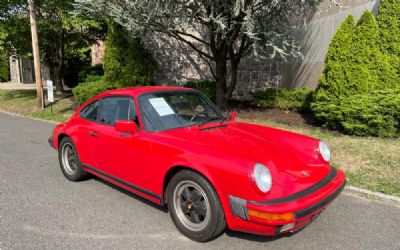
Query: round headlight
(324, 151)
(262, 177)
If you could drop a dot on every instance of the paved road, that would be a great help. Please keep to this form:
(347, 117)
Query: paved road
(40, 209)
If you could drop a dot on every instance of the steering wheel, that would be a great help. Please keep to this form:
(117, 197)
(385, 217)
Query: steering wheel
(194, 116)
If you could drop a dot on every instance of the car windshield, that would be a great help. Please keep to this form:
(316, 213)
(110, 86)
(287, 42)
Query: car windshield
(176, 109)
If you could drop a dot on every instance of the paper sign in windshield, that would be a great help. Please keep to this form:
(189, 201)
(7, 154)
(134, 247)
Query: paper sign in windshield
(161, 106)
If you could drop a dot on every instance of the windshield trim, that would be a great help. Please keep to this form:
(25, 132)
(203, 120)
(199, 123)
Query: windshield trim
(209, 102)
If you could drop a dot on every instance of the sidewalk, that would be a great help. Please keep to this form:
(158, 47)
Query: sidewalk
(13, 85)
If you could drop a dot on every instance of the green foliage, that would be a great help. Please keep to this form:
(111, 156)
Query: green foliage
(389, 26)
(205, 86)
(355, 71)
(64, 37)
(375, 113)
(286, 99)
(91, 73)
(389, 31)
(126, 61)
(85, 91)
(4, 66)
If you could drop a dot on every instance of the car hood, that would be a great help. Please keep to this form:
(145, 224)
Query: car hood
(292, 158)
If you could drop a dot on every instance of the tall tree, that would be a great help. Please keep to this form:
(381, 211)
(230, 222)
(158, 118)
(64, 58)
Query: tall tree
(4, 68)
(126, 61)
(222, 32)
(61, 34)
(389, 26)
(389, 32)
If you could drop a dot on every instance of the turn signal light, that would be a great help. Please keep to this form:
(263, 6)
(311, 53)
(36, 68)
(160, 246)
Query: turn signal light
(269, 216)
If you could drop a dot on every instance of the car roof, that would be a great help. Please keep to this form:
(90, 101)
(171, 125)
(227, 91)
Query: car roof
(134, 91)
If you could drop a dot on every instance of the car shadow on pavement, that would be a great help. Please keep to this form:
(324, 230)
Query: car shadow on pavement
(132, 195)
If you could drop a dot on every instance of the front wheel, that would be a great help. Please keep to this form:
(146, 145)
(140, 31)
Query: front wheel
(70, 164)
(194, 206)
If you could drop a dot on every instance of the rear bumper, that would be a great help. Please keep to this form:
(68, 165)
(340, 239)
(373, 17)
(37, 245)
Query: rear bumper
(285, 214)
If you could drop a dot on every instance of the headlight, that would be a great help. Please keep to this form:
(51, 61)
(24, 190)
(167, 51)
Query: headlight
(262, 177)
(324, 151)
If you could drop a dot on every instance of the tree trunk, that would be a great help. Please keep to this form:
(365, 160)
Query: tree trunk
(220, 79)
(60, 64)
(232, 84)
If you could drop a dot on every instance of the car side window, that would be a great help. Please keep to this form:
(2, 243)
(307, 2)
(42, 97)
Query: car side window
(116, 109)
(90, 111)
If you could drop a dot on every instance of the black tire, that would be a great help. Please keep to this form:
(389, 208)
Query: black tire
(78, 174)
(213, 223)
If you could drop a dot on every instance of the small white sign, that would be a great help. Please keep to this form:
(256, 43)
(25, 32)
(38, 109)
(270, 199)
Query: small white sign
(161, 106)
(50, 95)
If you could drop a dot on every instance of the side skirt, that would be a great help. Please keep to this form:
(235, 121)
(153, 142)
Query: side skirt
(125, 185)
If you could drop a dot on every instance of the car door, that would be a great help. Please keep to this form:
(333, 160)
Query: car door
(85, 138)
(117, 153)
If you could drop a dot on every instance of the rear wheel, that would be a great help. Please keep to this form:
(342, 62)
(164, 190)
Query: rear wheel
(70, 164)
(194, 206)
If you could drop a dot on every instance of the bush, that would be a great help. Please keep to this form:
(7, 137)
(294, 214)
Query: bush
(86, 91)
(91, 73)
(205, 86)
(295, 99)
(126, 61)
(376, 113)
(355, 70)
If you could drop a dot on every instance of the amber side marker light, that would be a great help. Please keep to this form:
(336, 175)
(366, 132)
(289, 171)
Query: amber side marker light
(269, 216)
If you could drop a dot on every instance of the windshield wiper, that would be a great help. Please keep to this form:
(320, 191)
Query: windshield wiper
(209, 120)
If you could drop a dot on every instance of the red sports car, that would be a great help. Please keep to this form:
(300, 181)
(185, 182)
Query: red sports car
(173, 146)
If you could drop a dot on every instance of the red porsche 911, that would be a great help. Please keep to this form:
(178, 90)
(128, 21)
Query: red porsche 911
(173, 146)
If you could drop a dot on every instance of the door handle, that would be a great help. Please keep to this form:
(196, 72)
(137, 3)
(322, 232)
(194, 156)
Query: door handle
(94, 134)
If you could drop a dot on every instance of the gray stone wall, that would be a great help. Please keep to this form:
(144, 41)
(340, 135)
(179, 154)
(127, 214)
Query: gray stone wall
(177, 64)
(314, 37)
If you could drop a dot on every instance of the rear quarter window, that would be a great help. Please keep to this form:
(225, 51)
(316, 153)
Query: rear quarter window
(91, 111)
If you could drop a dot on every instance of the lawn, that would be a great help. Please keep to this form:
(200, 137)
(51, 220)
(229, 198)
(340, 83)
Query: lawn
(23, 102)
(369, 162)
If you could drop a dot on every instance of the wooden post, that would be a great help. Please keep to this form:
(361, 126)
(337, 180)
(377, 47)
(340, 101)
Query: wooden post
(36, 56)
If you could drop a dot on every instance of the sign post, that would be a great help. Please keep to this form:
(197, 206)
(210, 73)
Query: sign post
(50, 94)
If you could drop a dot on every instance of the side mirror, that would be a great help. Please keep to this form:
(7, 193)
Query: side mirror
(126, 126)
(232, 117)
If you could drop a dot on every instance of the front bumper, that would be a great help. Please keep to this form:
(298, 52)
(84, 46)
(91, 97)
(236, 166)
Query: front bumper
(286, 214)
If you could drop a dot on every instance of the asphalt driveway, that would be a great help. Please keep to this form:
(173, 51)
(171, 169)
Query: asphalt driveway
(40, 209)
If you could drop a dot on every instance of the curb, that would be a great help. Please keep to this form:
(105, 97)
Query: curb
(28, 117)
(374, 195)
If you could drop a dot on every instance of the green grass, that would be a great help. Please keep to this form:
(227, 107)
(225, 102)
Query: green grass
(23, 102)
(369, 162)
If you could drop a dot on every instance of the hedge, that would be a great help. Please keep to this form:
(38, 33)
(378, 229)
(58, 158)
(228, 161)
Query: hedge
(376, 113)
(86, 91)
(286, 99)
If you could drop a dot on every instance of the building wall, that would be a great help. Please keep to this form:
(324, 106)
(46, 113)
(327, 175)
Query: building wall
(314, 38)
(97, 53)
